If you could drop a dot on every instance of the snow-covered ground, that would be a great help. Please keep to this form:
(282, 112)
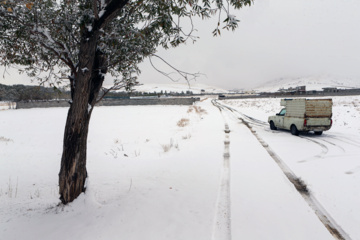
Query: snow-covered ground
(160, 172)
(328, 164)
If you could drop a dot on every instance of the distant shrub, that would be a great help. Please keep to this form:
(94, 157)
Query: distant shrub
(197, 110)
(188, 136)
(183, 122)
(4, 139)
(167, 147)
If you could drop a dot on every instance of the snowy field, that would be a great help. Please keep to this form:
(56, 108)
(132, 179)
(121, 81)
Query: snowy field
(161, 172)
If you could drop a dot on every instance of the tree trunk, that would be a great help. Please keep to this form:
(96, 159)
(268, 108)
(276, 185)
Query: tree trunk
(87, 84)
(73, 172)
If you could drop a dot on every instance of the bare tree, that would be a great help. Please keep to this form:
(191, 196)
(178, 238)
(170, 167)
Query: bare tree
(88, 39)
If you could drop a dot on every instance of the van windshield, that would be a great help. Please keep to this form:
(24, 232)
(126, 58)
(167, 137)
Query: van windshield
(282, 112)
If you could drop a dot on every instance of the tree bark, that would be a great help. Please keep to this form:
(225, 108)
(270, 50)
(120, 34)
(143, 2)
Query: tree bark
(73, 171)
(87, 83)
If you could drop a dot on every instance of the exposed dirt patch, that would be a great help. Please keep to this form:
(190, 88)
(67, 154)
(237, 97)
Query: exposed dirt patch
(300, 185)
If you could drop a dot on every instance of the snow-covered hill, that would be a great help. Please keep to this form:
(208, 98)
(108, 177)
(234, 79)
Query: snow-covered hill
(311, 83)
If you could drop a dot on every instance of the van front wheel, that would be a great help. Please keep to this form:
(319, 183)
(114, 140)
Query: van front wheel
(294, 130)
(272, 126)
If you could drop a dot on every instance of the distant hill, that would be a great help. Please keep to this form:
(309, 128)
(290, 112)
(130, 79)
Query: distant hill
(311, 83)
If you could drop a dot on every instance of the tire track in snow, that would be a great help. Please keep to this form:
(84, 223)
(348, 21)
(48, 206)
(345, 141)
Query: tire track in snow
(254, 121)
(222, 220)
(350, 141)
(333, 144)
(324, 148)
(335, 230)
(354, 170)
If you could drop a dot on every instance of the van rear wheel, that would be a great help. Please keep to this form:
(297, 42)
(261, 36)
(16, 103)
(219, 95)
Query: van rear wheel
(294, 130)
(318, 132)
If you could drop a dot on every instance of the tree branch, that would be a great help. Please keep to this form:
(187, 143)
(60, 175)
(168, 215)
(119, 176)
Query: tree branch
(95, 9)
(111, 11)
(115, 87)
(183, 74)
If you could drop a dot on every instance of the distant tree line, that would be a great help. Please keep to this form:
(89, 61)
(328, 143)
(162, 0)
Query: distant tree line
(127, 94)
(20, 92)
(30, 93)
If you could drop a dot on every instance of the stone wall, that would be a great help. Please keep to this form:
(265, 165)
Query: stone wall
(42, 104)
(117, 102)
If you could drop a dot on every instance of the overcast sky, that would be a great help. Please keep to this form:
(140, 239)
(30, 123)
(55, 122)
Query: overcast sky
(275, 38)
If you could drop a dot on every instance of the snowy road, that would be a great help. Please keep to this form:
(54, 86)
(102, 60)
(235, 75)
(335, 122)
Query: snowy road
(310, 162)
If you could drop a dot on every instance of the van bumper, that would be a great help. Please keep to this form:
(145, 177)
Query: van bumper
(316, 128)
